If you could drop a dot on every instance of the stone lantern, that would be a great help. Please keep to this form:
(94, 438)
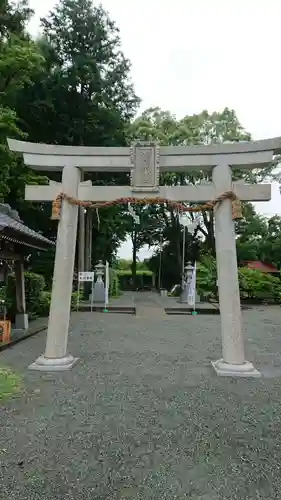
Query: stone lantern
(188, 270)
(99, 288)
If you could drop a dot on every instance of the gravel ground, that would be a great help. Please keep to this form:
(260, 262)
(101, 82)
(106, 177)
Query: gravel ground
(143, 416)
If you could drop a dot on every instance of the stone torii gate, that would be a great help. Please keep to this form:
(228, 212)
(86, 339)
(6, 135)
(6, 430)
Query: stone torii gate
(145, 161)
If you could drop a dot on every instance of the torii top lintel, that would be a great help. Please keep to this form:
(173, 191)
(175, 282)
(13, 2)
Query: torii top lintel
(47, 157)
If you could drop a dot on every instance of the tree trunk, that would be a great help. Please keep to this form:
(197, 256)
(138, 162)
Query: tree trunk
(177, 237)
(209, 233)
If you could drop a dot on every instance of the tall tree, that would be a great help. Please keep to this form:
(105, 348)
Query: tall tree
(100, 98)
(145, 232)
(258, 237)
(84, 96)
(13, 18)
(20, 61)
(204, 128)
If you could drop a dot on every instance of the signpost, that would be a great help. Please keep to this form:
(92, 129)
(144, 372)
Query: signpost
(190, 227)
(86, 276)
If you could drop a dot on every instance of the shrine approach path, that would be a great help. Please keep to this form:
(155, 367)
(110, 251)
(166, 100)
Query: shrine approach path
(143, 416)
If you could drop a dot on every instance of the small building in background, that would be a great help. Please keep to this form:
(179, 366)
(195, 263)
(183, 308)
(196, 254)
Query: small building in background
(261, 266)
(15, 240)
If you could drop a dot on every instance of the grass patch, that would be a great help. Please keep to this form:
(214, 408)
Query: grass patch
(10, 383)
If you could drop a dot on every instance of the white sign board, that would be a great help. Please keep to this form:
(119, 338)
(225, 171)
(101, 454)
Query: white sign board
(86, 276)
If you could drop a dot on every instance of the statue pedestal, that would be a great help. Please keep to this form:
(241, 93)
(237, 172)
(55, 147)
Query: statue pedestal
(43, 364)
(224, 369)
(183, 297)
(99, 292)
(99, 286)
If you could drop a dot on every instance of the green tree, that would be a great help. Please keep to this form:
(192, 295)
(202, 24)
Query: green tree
(204, 128)
(93, 72)
(259, 286)
(13, 18)
(20, 60)
(126, 265)
(83, 96)
(250, 231)
(146, 232)
(271, 243)
(258, 237)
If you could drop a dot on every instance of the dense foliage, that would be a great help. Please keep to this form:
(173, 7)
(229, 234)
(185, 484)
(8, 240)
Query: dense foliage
(204, 128)
(72, 86)
(254, 285)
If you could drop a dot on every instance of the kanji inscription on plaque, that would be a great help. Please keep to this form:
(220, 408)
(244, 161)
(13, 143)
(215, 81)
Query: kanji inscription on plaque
(145, 163)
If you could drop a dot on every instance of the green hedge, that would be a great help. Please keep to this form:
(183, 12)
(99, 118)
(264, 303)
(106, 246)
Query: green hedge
(38, 300)
(254, 285)
(34, 286)
(144, 278)
(259, 286)
(128, 272)
(44, 303)
(114, 283)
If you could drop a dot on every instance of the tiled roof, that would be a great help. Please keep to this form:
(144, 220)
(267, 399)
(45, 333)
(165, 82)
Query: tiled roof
(9, 219)
(260, 266)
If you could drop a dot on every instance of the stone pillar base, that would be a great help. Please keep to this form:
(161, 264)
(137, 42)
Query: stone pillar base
(224, 369)
(53, 364)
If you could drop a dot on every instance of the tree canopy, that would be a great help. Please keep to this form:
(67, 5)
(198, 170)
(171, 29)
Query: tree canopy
(203, 128)
(72, 86)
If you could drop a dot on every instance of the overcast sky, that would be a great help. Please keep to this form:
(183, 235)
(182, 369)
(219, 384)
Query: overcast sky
(189, 55)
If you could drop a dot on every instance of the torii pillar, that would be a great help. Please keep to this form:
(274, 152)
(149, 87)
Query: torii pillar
(56, 357)
(145, 161)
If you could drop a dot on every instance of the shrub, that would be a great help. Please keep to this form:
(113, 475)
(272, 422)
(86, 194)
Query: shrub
(144, 278)
(257, 285)
(206, 279)
(253, 284)
(34, 286)
(74, 298)
(114, 283)
(38, 300)
(44, 303)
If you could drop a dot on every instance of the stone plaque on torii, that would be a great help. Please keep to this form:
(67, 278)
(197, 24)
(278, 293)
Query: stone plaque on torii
(145, 161)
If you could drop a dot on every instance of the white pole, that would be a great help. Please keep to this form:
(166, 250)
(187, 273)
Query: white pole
(195, 269)
(160, 264)
(92, 292)
(105, 301)
(106, 285)
(183, 254)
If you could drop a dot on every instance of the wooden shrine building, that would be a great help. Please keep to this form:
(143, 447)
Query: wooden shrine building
(15, 237)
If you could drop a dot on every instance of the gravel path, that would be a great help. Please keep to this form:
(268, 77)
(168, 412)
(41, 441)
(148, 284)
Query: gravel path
(143, 416)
